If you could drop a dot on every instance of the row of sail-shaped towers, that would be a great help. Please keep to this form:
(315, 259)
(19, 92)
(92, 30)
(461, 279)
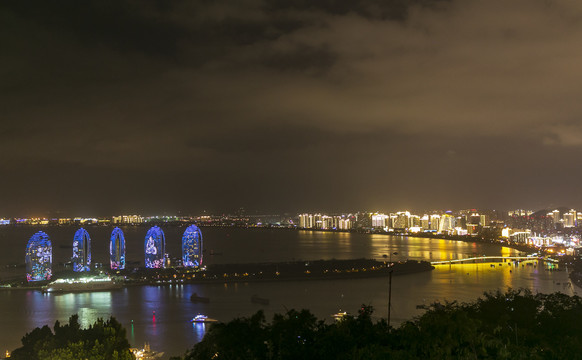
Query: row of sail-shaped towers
(39, 251)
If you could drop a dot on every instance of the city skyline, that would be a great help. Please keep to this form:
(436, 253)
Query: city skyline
(180, 107)
(129, 217)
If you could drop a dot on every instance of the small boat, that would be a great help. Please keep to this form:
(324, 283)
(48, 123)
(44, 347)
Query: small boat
(202, 319)
(259, 300)
(199, 299)
(339, 316)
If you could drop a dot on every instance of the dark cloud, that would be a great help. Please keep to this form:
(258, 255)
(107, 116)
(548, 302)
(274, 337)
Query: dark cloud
(183, 106)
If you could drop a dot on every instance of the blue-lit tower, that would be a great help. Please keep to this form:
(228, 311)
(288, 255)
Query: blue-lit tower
(39, 257)
(81, 251)
(117, 249)
(154, 247)
(192, 246)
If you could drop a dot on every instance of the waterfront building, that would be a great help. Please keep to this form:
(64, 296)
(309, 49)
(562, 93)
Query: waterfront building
(414, 221)
(128, 219)
(402, 220)
(326, 222)
(39, 257)
(447, 224)
(345, 224)
(192, 247)
(521, 236)
(460, 231)
(434, 222)
(425, 222)
(306, 221)
(154, 247)
(117, 249)
(474, 219)
(379, 220)
(363, 220)
(392, 222)
(81, 251)
(473, 229)
(335, 221)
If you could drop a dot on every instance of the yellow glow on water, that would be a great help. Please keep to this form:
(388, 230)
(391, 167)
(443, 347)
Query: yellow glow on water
(501, 275)
(505, 251)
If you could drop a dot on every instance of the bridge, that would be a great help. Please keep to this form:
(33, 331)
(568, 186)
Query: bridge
(491, 259)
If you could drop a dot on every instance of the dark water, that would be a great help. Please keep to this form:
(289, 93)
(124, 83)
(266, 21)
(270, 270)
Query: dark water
(160, 315)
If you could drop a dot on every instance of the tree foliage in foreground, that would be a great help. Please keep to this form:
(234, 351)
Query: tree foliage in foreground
(512, 325)
(104, 340)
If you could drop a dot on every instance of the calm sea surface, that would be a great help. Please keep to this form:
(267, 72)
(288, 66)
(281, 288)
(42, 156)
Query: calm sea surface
(160, 314)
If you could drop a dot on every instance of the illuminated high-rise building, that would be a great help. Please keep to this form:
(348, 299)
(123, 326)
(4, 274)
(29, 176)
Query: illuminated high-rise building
(154, 248)
(326, 222)
(435, 222)
(474, 219)
(192, 247)
(402, 220)
(555, 216)
(345, 224)
(306, 221)
(363, 221)
(379, 220)
(414, 221)
(39, 257)
(425, 222)
(117, 249)
(317, 222)
(393, 220)
(570, 218)
(447, 224)
(81, 251)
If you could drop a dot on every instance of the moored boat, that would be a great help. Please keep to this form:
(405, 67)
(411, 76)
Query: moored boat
(86, 284)
(202, 319)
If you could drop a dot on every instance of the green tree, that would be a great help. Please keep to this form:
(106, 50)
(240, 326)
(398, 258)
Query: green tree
(104, 340)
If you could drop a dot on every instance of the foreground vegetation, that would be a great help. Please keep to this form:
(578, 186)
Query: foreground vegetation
(512, 325)
(104, 340)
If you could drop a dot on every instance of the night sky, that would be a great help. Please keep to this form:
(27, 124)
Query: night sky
(158, 107)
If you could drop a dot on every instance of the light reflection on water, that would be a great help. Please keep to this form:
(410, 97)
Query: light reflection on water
(172, 331)
(199, 330)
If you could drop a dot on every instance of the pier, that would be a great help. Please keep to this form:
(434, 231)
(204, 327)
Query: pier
(491, 259)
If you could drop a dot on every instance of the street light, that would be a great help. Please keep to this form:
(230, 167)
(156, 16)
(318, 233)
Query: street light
(390, 286)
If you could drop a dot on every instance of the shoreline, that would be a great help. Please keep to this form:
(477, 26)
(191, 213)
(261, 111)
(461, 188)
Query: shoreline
(216, 279)
(464, 238)
(267, 272)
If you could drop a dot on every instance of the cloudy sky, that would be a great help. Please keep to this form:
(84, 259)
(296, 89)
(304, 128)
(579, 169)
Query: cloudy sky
(156, 106)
